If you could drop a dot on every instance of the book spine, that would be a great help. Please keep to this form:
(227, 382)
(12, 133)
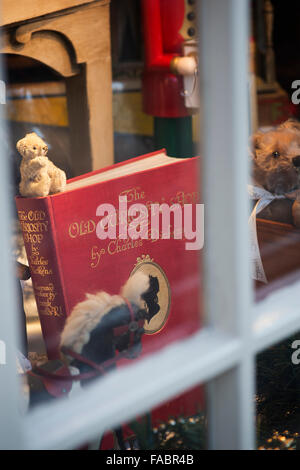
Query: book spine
(36, 219)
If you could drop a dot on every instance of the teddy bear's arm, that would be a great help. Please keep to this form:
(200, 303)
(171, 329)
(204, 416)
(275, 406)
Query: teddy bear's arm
(296, 213)
(37, 163)
(58, 179)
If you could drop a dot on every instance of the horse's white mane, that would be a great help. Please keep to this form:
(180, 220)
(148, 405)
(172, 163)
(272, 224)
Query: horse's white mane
(135, 286)
(86, 315)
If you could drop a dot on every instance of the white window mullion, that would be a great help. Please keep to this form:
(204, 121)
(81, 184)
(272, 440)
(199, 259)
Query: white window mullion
(10, 399)
(144, 385)
(223, 69)
(230, 398)
(222, 354)
(276, 317)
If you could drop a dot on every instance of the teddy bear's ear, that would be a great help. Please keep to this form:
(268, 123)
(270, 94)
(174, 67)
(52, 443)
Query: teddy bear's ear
(291, 123)
(20, 146)
(255, 143)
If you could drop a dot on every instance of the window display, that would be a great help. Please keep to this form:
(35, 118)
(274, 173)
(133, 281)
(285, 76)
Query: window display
(154, 153)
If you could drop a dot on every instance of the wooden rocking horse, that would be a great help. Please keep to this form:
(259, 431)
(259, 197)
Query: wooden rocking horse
(100, 331)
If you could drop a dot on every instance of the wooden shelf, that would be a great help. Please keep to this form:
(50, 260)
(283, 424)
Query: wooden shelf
(279, 245)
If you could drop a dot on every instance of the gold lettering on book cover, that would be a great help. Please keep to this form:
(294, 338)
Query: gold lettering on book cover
(35, 226)
(119, 246)
(133, 194)
(79, 228)
(96, 254)
(45, 297)
(88, 227)
(185, 198)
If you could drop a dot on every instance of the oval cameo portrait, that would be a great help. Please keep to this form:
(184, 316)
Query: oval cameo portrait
(158, 299)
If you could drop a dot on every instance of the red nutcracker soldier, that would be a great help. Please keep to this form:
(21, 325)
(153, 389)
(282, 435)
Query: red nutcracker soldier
(167, 25)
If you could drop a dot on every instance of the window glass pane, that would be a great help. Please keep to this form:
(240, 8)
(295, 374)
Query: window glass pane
(179, 424)
(274, 194)
(277, 397)
(275, 142)
(102, 105)
(108, 221)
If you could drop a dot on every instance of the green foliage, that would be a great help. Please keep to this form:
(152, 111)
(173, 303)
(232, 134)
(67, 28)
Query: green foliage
(278, 396)
(183, 433)
(277, 405)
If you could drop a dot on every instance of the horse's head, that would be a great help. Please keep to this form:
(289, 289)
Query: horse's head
(103, 324)
(144, 309)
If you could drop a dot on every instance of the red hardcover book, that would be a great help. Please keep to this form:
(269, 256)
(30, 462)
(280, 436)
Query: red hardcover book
(67, 259)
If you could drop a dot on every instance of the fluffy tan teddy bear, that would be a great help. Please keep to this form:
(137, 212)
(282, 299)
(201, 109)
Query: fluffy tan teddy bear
(39, 176)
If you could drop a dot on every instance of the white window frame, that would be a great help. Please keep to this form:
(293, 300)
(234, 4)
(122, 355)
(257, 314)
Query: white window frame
(222, 354)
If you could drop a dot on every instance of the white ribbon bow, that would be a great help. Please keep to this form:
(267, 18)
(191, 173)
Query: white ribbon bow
(23, 364)
(264, 199)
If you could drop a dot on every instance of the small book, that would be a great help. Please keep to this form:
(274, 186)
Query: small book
(69, 256)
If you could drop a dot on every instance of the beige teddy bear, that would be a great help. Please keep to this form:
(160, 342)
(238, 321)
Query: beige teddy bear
(39, 176)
